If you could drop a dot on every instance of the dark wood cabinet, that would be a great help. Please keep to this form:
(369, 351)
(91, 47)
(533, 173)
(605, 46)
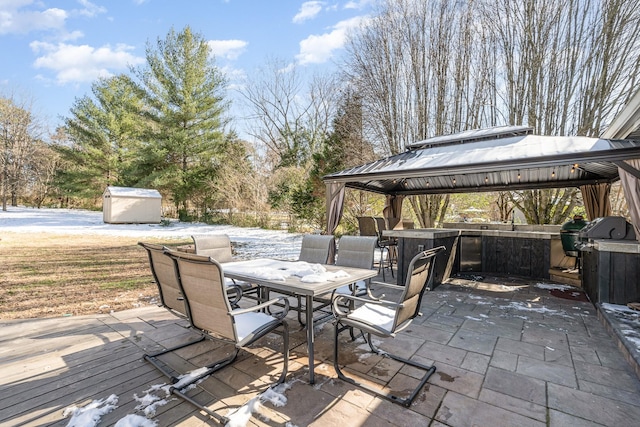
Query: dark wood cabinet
(611, 277)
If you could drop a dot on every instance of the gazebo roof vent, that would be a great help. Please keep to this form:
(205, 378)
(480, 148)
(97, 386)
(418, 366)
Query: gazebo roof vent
(472, 136)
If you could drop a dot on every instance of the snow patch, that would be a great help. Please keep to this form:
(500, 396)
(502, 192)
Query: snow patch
(554, 286)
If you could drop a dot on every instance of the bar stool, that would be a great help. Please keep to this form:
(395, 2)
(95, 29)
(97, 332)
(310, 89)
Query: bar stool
(389, 244)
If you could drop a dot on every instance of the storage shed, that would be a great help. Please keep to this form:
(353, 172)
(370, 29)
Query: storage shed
(127, 205)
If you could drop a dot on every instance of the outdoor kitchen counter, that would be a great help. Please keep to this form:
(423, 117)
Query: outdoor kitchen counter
(521, 252)
(432, 233)
(622, 246)
(610, 271)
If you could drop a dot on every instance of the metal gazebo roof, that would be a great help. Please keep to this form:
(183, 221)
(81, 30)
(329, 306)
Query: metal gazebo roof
(497, 159)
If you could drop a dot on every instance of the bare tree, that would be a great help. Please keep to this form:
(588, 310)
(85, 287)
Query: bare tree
(18, 133)
(610, 66)
(236, 188)
(422, 69)
(291, 119)
(438, 67)
(505, 208)
(566, 65)
(545, 207)
(43, 167)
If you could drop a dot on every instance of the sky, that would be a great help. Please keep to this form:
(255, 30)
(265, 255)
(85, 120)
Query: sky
(53, 50)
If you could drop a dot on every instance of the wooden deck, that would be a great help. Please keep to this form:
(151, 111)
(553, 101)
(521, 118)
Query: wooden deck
(552, 367)
(50, 365)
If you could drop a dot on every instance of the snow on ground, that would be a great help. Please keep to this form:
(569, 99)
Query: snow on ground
(247, 242)
(91, 414)
(628, 321)
(554, 286)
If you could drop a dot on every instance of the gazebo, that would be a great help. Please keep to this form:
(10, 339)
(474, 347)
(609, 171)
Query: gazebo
(509, 158)
(501, 159)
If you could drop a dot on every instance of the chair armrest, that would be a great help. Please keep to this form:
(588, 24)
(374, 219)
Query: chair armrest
(391, 286)
(237, 290)
(380, 284)
(262, 306)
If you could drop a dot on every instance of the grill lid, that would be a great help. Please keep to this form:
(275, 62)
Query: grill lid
(609, 227)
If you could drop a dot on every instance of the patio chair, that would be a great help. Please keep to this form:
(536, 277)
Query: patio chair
(165, 275)
(316, 249)
(388, 243)
(356, 251)
(209, 311)
(353, 251)
(368, 226)
(386, 318)
(216, 246)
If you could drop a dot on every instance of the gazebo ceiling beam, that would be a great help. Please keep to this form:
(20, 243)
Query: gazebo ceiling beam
(482, 188)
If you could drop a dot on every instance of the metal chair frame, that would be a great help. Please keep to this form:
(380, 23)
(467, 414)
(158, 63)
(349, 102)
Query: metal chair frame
(165, 275)
(420, 273)
(195, 272)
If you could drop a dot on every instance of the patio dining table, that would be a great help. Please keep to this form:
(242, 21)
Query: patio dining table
(299, 279)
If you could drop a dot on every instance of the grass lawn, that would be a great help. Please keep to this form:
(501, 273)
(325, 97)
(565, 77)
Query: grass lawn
(51, 275)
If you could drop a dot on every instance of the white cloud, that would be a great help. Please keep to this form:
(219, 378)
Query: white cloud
(89, 9)
(234, 74)
(228, 49)
(25, 16)
(317, 49)
(74, 35)
(287, 68)
(358, 4)
(308, 10)
(82, 63)
(15, 20)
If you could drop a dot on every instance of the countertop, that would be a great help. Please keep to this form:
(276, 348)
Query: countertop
(432, 233)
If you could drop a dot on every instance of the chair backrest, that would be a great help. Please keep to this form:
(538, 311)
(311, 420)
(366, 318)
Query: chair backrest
(356, 251)
(317, 248)
(216, 246)
(419, 275)
(394, 222)
(205, 294)
(381, 224)
(367, 226)
(407, 225)
(165, 275)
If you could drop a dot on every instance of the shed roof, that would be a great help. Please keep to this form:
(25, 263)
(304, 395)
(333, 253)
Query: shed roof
(142, 193)
(497, 159)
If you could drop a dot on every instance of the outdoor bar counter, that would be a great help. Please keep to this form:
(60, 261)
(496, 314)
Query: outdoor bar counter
(521, 250)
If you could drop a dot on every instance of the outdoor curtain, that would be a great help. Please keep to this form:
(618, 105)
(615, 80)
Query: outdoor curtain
(596, 200)
(392, 211)
(631, 187)
(335, 202)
